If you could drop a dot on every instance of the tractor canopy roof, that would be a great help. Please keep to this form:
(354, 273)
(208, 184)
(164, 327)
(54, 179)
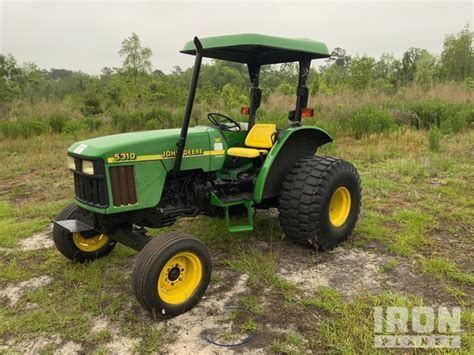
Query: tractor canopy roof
(258, 49)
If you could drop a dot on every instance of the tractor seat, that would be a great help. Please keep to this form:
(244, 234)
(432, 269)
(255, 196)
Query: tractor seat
(258, 141)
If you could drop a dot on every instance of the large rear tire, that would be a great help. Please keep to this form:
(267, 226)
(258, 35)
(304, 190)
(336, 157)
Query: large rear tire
(320, 202)
(171, 274)
(80, 246)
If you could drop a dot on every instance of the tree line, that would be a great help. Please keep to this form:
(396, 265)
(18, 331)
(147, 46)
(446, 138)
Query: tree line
(136, 84)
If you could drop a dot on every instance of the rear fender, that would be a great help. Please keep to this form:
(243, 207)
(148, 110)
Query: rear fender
(294, 144)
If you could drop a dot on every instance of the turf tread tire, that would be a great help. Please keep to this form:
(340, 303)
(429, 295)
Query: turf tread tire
(304, 201)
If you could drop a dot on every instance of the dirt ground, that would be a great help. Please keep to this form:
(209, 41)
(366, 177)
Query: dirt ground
(413, 245)
(350, 271)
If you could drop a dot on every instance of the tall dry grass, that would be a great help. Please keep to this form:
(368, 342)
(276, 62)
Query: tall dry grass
(447, 92)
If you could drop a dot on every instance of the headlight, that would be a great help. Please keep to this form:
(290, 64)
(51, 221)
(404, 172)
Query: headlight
(71, 164)
(88, 167)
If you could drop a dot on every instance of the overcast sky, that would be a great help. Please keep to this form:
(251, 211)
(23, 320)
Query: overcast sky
(86, 35)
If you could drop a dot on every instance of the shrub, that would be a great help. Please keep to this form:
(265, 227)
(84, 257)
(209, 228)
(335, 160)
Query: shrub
(23, 128)
(128, 121)
(286, 89)
(434, 139)
(8, 129)
(57, 121)
(74, 126)
(370, 120)
(92, 123)
(434, 112)
(163, 117)
(91, 106)
(138, 120)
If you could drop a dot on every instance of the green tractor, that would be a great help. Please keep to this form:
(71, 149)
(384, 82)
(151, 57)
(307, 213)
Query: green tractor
(128, 182)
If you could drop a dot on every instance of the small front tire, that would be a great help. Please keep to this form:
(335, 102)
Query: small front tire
(171, 274)
(80, 246)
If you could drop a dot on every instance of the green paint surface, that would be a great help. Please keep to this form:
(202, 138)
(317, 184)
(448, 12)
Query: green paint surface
(242, 47)
(267, 164)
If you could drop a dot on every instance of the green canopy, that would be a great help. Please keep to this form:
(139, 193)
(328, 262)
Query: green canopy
(258, 49)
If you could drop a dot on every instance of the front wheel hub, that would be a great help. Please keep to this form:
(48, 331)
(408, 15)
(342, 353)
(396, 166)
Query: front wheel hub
(180, 278)
(173, 274)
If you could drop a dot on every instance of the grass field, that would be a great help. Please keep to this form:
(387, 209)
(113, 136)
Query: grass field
(413, 245)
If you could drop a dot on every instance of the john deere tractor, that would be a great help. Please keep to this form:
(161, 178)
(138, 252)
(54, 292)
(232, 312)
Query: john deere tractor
(128, 182)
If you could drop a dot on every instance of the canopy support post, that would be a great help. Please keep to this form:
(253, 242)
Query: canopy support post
(302, 91)
(255, 92)
(189, 106)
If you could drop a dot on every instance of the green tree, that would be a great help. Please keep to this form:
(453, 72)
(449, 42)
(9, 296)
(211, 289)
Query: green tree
(387, 69)
(33, 82)
(361, 72)
(9, 76)
(136, 58)
(409, 61)
(425, 69)
(457, 58)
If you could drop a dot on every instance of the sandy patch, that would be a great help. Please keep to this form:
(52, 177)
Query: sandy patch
(100, 324)
(189, 327)
(118, 344)
(350, 272)
(353, 272)
(122, 345)
(68, 348)
(32, 346)
(37, 345)
(38, 241)
(14, 292)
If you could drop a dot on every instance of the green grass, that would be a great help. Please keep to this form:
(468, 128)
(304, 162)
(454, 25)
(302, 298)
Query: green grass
(416, 211)
(289, 344)
(390, 264)
(440, 267)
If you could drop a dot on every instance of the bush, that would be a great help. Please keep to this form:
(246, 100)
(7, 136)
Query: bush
(74, 126)
(370, 120)
(434, 113)
(57, 121)
(23, 128)
(138, 120)
(128, 121)
(92, 123)
(91, 106)
(434, 139)
(163, 117)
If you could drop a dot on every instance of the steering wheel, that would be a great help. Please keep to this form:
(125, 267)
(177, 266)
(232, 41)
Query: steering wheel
(219, 120)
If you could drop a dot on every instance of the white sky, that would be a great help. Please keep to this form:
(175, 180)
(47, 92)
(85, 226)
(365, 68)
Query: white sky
(86, 35)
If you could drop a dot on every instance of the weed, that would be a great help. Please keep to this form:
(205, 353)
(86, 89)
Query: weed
(434, 139)
(250, 325)
(57, 122)
(252, 304)
(390, 264)
(152, 341)
(371, 120)
(440, 267)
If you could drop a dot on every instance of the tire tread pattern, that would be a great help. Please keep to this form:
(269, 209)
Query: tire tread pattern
(302, 198)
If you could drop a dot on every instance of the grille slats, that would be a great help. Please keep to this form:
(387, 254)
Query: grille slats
(123, 185)
(91, 189)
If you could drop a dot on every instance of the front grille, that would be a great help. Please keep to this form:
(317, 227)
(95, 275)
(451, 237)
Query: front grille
(91, 189)
(122, 180)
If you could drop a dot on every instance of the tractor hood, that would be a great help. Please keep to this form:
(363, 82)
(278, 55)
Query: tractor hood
(130, 146)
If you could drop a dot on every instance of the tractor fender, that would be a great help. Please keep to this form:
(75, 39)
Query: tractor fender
(293, 144)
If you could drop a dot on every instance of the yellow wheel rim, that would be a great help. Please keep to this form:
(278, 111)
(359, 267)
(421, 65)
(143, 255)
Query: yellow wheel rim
(340, 206)
(179, 278)
(89, 244)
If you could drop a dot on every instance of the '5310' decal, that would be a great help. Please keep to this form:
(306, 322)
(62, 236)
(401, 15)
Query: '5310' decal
(124, 156)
